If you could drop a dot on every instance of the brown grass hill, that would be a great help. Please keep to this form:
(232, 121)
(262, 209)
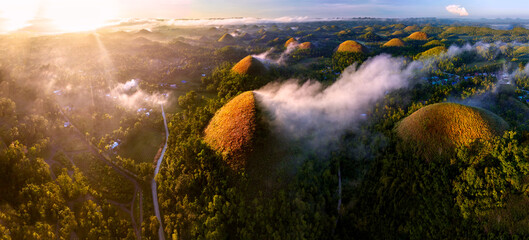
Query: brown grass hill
(305, 45)
(351, 46)
(522, 51)
(395, 42)
(434, 131)
(343, 33)
(232, 130)
(226, 38)
(204, 39)
(142, 40)
(290, 41)
(431, 30)
(418, 36)
(369, 29)
(398, 33)
(433, 43)
(413, 28)
(432, 52)
(249, 65)
(398, 26)
(144, 31)
(371, 37)
(246, 37)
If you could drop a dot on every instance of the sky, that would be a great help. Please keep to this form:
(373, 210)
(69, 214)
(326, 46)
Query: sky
(325, 8)
(87, 14)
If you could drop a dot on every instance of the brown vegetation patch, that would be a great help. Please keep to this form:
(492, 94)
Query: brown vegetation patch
(351, 46)
(419, 36)
(395, 42)
(249, 65)
(231, 131)
(290, 41)
(305, 45)
(437, 129)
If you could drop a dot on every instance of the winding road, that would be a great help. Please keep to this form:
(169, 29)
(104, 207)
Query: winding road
(154, 187)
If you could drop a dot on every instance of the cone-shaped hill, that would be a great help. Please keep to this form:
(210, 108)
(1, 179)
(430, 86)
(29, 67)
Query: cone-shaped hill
(432, 52)
(246, 36)
(395, 42)
(305, 45)
(249, 65)
(290, 41)
(419, 36)
(397, 33)
(433, 43)
(232, 131)
(437, 129)
(351, 46)
(226, 38)
(411, 28)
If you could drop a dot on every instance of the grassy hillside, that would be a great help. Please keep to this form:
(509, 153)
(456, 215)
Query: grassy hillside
(439, 128)
(419, 36)
(232, 129)
(226, 38)
(290, 41)
(411, 28)
(249, 65)
(432, 52)
(305, 45)
(395, 42)
(351, 46)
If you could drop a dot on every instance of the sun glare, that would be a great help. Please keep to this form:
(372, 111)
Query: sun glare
(61, 15)
(16, 14)
(79, 15)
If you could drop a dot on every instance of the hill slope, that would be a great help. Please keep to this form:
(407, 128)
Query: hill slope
(351, 46)
(232, 130)
(439, 128)
(419, 36)
(305, 45)
(395, 42)
(226, 38)
(249, 65)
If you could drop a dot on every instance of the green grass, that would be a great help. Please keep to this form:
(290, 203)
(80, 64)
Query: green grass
(437, 129)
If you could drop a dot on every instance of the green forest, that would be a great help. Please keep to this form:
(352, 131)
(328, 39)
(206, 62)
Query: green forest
(442, 154)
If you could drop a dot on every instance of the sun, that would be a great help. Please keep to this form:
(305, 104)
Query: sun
(79, 15)
(16, 14)
(62, 15)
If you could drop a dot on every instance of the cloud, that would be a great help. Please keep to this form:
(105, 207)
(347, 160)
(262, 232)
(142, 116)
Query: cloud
(268, 60)
(457, 9)
(130, 95)
(317, 115)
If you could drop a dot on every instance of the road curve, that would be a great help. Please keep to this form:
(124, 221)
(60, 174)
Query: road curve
(154, 187)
